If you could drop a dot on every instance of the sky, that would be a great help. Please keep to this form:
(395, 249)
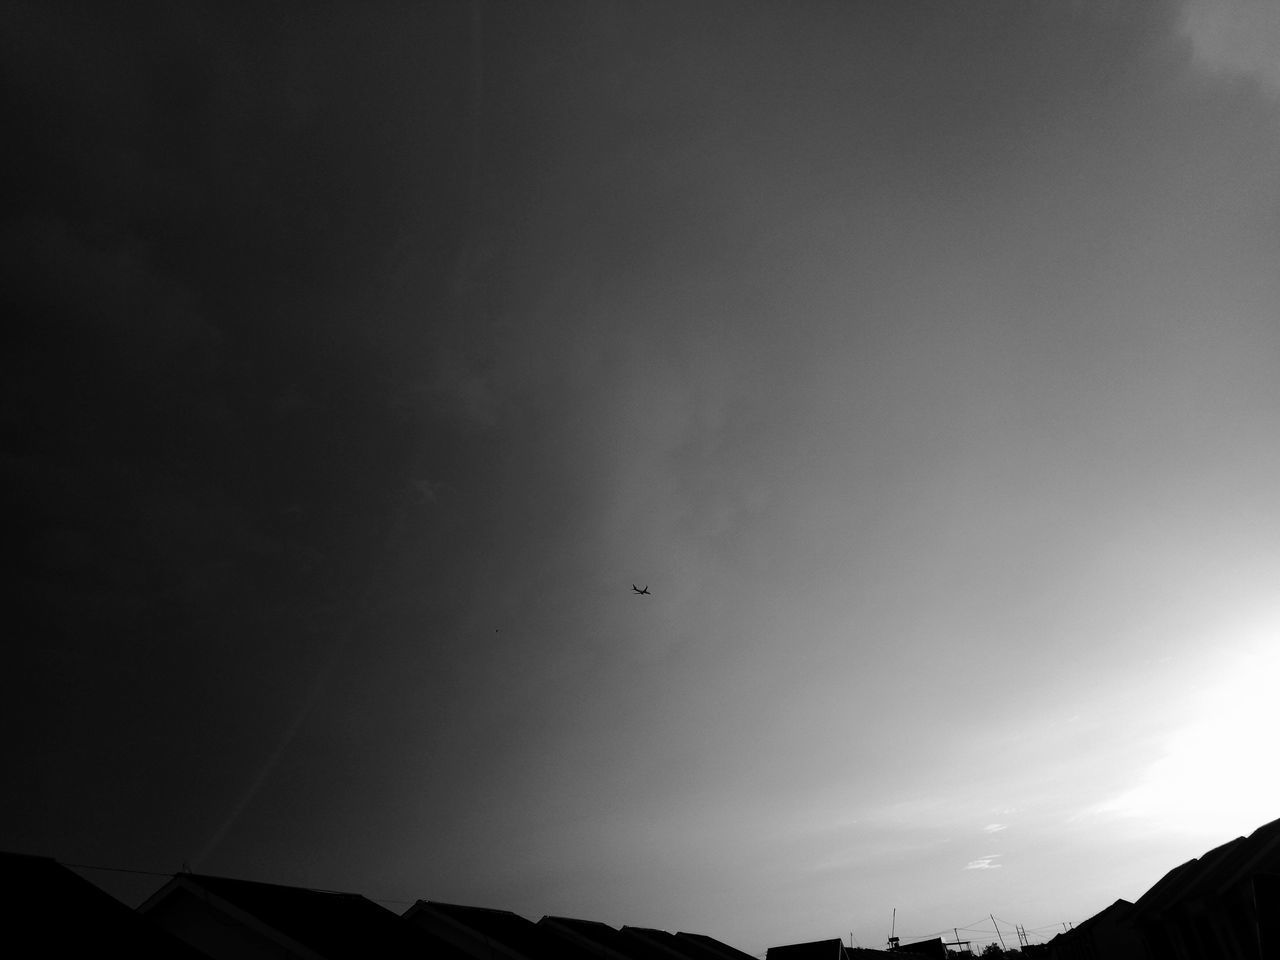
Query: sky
(923, 361)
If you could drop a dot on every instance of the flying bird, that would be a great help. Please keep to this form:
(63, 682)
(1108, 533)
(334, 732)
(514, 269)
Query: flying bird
(638, 590)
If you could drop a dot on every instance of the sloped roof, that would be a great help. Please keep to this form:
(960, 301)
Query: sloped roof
(604, 942)
(593, 937)
(328, 923)
(670, 945)
(1115, 913)
(1215, 872)
(722, 950)
(483, 932)
(1159, 893)
(1261, 854)
(599, 940)
(38, 895)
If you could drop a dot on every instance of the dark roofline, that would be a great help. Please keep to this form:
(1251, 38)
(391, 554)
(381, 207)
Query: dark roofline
(488, 931)
(1262, 843)
(189, 882)
(810, 950)
(1214, 872)
(41, 897)
(305, 920)
(723, 950)
(1115, 911)
(219, 878)
(1150, 901)
(668, 944)
(563, 927)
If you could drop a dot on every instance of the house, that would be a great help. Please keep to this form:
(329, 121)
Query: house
(721, 951)
(482, 933)
(1223, 904)
(56, 912)
(1215, 905)
(1107, 935)
(681, 946)
(813, 950)
(227, 918)
(602, 942)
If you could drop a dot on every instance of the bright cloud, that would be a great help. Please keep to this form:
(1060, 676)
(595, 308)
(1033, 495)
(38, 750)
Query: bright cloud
(984, 863)
(995, 827)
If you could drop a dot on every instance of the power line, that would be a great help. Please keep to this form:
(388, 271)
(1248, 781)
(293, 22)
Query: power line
(158, 873)
(91, 866)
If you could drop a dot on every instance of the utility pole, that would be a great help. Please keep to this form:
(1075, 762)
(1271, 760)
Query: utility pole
(997, 926)
(967, 944)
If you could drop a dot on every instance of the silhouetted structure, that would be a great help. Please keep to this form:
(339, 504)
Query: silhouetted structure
(836, 950)
(603, 942)
(1223, 904)
(812, 950)
(233, 919)
(722, 951)
(487, 934)
(597, 939)
(1107, 935)
(934, 949)
(54, 912)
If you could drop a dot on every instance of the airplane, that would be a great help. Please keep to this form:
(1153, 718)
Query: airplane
(638, 590)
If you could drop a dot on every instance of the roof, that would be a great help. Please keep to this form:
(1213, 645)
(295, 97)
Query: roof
(304, 921)
(670, 945)
(1159, 892)
(1117, 912)
(814, 950)
(722, 950)
(483, 933)
(1260, 854)
(599, 940)
(1216, 872)
(38, 894)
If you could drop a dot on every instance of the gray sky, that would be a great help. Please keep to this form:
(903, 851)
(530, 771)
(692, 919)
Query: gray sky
(921, 359)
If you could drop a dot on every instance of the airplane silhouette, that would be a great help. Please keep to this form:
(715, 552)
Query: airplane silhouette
(638, 590)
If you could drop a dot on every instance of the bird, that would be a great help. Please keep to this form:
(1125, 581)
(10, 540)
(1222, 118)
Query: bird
(638, 590)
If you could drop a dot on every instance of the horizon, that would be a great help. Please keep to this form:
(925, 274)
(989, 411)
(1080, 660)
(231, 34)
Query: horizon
(992, 931)
(921, 362)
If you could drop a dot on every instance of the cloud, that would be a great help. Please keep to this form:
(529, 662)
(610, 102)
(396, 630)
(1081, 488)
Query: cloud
(1236, 36)
(984, 863)
(995, 827)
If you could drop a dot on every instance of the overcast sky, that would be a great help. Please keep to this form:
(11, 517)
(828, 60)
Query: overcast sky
(922, 359)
